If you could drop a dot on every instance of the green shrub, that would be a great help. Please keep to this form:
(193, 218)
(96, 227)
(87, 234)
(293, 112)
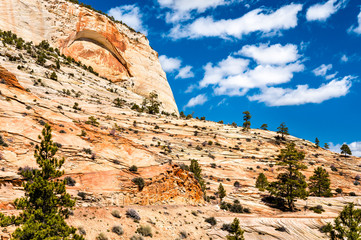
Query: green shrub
(116, 214)
(69, 181)
(211, 220)
(101, 236)
(133, 168)
(53, 76)
(117, 230)
(145, 231)
(92, 121)
(139, 182)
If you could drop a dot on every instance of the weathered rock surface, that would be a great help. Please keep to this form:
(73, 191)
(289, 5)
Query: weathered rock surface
(98, 158)
(112, 49)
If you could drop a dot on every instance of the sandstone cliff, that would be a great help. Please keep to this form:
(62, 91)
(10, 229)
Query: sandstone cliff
(112, 49)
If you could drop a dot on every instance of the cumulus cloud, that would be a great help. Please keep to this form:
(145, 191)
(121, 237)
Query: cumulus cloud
(355, 148)
(185, 72)
(322, 11)
(130, 15)
(234, 76)
(322, 70)
(275, 54)
(258, 20)
(357, 28)
(344, 58)
(198, 100)
(181, 9)
(303, 94)
(171, 65)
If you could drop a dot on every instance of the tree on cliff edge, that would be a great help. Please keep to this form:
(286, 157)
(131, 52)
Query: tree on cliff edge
(46, 203)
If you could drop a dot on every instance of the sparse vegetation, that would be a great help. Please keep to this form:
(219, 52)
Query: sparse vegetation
(221, 192)
(117, 229)
(46, 203)
(345, 150)
(236, 233)
(320, 183)
(133, 168)
(92, 121)
(116, 213)
(261, 182)
(347, 226)
(139, 182)
(131, 213)
(283, 130)
(290, 184)
(246, 120)
(145, 231)
(211, 220)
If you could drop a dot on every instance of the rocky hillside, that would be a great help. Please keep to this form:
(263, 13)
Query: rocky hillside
(101, 137)
(112, 49)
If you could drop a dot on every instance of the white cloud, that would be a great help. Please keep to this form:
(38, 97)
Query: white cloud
(322, 11)
(181, 9)
(356, 29)
(169, 64)
(257, 20)
(303, 94)
(234, 76)
(344, 58)
(130, 15)
(185, 72)
(322, 70)
(274, 54)
(355, 148)
(228, 67)
(198, 100)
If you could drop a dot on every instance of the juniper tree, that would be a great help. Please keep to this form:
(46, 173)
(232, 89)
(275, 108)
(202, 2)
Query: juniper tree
(46, 203)
(283, 130)
(195, 168)
(264, 126)
(236, 232)
(290, 184)
(326, 146)
(221, 192)
(345, 149)
(320, 183)
(347, 225)
(261, 182)
(246, 124)
(317, 142)
(154, 104)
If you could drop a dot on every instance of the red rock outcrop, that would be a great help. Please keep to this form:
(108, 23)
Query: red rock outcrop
(9, 79)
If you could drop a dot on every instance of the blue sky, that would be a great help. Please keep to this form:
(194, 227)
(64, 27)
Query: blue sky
(296, 62)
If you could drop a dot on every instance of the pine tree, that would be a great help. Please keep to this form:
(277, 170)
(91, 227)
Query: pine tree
(197, 171)
(154, 104)
(246, 124)
(317, 142)
(221, 192)
(264, 126)
(320, 183)
(261, 182)
(283, 130)
(326, 146)
(347, 225)
(46, 203)
(236, 233)
(291, 184)
(345, 149)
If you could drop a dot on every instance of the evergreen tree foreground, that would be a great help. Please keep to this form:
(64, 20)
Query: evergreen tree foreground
(46, 204)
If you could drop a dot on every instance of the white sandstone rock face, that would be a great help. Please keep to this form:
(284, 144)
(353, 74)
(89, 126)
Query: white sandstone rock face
(111, 49)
